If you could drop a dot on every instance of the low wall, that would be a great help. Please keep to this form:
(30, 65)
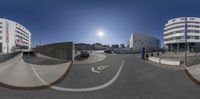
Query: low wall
(6, 57)
(63, 50)
(165, 61)
(154, 59)
(170, 62)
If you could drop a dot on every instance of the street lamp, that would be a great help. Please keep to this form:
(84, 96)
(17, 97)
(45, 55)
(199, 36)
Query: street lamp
(186, 41)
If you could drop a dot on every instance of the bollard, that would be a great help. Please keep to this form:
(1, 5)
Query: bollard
(142, 53)
(147, 56)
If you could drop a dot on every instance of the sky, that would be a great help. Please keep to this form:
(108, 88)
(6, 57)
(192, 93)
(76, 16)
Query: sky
(80, 20)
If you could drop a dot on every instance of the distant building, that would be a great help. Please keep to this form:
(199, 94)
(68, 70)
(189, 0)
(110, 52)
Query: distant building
(174, 34)
(139, 41)
(122, 46)
(127, 44)
(13, 36)
(106, 46)
(83, 46)
(98, 46)
(115, 46)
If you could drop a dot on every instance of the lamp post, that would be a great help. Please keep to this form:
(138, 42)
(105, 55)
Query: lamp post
(7, 36)
(186, 48)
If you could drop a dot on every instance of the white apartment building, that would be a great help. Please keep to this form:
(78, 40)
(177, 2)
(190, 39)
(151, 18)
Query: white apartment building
(13, 36)
(174, 33)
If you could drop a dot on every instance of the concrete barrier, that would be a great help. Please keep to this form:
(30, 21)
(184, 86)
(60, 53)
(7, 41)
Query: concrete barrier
(170, 62)
(154, 59)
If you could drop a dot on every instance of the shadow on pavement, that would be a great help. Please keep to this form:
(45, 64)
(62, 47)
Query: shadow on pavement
(42, 61)
(37, 87)
(79, 58)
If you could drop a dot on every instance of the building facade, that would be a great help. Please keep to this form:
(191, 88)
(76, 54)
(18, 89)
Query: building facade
(83, 46)
(122, 46)
(139, 41)
(115, 46)
(13, 36)
(98, 46)
(174, 34)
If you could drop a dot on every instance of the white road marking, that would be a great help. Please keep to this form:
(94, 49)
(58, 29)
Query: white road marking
(83, 89)
(98, 69)
(93, 70)
(102, 67)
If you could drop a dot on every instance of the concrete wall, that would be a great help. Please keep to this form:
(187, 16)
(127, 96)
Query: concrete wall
(63, 50)
(9, 56)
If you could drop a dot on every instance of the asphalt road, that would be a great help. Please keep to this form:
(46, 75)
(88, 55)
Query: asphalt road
(137, 80)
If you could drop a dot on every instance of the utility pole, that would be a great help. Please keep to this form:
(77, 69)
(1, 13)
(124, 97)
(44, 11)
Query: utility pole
(186, 44)
(40, 43)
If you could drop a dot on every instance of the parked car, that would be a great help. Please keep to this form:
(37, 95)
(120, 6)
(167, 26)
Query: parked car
(108, 51)
(117, 51)
(84, 54)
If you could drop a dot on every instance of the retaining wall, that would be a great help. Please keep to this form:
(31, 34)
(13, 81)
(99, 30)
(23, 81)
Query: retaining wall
(63, 50)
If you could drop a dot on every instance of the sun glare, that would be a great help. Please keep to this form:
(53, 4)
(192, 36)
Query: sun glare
(100, 34)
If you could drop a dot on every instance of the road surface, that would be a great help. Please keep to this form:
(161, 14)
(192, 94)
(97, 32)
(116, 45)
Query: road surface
(137, 80)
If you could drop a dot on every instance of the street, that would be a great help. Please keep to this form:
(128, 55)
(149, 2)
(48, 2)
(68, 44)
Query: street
(136, 79)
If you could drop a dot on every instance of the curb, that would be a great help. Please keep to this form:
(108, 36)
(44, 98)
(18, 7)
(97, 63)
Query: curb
(191, 77)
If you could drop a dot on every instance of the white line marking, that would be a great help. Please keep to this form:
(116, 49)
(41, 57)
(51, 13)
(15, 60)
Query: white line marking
(83, 89)
(92, 69)
(102, 67)
(98, 69)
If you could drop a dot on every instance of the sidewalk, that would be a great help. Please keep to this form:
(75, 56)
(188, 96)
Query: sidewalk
(194, 72)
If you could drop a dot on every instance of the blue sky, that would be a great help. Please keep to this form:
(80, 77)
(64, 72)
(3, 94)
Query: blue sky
(80, 20)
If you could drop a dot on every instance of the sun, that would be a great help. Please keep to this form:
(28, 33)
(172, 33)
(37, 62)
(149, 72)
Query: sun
(100, 34)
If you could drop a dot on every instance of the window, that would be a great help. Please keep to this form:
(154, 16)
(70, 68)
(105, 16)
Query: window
(193, 31)
(196, 37)
(173, 20)
(182, 18)
(193, 22)
(174, 24)
(195, 26)
(192, 18)
(181, 26)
